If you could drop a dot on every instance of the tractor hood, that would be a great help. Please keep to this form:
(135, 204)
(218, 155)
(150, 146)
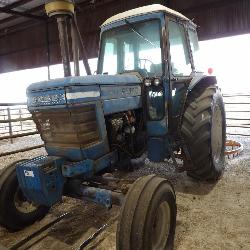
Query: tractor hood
(83, 80)
(69, 112)
(82, 89)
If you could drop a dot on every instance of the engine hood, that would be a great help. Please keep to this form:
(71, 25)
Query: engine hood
(83, 80)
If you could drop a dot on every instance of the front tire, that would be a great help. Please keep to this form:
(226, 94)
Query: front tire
(148, 216)
(16, 212)
(204, 131)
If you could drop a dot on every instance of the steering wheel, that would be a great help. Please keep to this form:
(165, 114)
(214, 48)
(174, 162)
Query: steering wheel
(140, 60)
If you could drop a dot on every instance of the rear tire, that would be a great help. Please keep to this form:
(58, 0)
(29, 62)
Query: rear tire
(15, 211)
(148, 216)
(204, 130)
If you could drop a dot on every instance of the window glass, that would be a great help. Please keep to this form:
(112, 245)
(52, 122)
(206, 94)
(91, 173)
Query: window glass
(134, 46)
(180, 61)
(111, 55)
(129, 59)
(195, 49)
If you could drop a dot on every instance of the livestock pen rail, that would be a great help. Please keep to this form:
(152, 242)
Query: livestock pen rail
(237, 114)
(15, 122)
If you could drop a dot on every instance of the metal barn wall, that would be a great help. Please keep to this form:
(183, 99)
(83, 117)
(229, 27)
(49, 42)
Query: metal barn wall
(26, 45)
(217, 19)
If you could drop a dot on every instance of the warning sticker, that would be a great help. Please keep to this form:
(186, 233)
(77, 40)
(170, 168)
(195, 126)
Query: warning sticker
(29, 173)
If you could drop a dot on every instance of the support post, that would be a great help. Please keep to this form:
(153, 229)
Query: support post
(83, 49)
(64, 44)
(10, 126)
(62, 10)
(20, 117)
(48, 49)
(75, 48)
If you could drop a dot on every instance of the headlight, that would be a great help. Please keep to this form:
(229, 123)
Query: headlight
(147, 82)
(157, 81)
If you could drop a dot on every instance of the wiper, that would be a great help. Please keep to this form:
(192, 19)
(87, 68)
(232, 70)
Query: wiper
(131, 26)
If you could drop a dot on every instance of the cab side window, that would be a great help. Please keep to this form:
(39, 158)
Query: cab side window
(180, 61)
(195, 49)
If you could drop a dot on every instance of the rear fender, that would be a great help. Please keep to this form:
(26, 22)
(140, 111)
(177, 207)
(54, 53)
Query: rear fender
(202, 80)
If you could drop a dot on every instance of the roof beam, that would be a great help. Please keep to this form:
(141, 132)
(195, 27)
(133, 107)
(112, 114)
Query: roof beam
(18, 13)
(11, 18)
(80, 7)
(16, 4)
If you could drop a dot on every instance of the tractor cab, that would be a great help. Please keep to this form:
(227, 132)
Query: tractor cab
(158, 45)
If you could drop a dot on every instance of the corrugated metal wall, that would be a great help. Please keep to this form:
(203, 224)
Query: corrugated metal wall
(26, 48)
(218, 18)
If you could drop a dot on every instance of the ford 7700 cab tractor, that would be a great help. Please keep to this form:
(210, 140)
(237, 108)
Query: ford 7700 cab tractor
(147, 97)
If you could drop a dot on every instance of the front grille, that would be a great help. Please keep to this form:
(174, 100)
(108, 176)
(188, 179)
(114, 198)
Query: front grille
(75, 127)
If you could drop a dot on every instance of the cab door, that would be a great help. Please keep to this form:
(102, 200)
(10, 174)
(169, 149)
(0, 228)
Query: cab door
(156, 123)
(181, 69)
(157, 105)
(164, 103)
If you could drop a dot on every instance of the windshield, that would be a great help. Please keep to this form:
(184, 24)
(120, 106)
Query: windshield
(134, 46)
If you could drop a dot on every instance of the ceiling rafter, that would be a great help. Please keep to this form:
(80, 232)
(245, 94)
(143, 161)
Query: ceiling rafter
(16, 4)
(32, 10)
(80, 7)
(23, 14)
(29, 12)
(16, 14)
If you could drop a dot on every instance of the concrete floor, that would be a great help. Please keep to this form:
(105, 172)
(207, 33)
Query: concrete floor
(210, 216)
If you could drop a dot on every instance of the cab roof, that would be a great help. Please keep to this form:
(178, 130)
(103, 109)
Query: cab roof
(143, 10)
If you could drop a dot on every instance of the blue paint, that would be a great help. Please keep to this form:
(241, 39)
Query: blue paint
(157, 128)
(96, 151)
(123, 104)
(97, 195)
(109, 95)
(78, 154)
(156, 149)
(41, 179)
(83, 81)
(87, 168)
(72, 169)
(73, 154)
(116, 92)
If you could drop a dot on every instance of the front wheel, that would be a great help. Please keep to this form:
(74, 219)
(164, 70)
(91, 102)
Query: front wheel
(204, 130)
(148, 216)
(16, 211)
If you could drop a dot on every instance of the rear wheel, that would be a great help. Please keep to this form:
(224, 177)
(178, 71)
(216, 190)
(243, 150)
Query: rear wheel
(16, 211)
(204, 130)
(148, 216)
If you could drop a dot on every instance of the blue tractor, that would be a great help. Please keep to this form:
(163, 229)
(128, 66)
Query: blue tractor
(148, 96)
